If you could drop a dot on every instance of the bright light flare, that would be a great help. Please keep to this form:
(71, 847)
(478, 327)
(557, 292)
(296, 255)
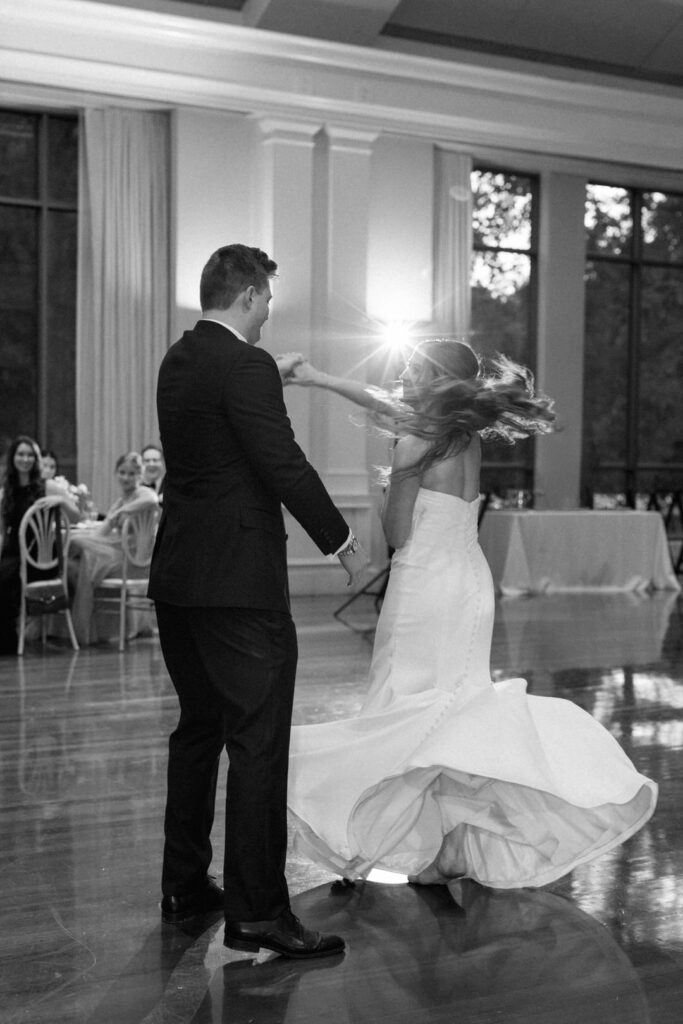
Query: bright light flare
(396, 341)
(398, 334)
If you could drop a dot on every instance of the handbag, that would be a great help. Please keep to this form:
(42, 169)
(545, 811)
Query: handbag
(50, 598)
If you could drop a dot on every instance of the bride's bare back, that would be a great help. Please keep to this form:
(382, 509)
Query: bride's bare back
(457, 475)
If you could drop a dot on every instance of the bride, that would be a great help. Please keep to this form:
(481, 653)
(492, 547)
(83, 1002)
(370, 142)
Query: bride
(442, 773)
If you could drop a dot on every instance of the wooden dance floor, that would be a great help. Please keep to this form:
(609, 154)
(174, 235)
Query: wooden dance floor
(82, 777)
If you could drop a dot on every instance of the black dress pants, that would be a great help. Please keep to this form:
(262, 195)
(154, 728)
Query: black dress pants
(10, 596)
(233, 670)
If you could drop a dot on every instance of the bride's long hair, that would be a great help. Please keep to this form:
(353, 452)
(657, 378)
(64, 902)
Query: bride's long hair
(458, 394)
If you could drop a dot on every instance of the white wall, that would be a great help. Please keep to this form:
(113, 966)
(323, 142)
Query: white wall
(213, 175)
(400, 280)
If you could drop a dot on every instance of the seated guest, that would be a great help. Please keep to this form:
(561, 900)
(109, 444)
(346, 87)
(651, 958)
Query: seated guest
(153, 468)
(96, 553)
(134, 495)
(23, 484)
(48, 464)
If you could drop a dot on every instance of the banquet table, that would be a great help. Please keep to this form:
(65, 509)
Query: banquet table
(535, 551)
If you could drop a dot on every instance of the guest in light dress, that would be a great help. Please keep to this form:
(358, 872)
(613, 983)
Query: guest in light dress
(96, 553)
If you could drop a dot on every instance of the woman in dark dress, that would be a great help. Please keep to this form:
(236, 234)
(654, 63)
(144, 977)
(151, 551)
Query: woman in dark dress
(23, 484)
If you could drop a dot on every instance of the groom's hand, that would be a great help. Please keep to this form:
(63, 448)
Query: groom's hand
(355, 565)
(286, 361)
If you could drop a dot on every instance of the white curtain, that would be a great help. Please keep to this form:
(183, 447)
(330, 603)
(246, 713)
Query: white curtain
(453, 191)
(123, 288)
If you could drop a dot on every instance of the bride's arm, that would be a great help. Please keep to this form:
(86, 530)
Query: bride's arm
(399, 500)
(306, 375)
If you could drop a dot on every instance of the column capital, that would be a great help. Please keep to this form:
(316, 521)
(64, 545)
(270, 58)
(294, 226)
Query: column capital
(294, 133)
(353, 140)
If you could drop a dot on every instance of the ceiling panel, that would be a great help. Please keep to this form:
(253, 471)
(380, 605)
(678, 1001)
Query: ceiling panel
(641, 39)
(608, 30)
(637, 37)
(479, 18)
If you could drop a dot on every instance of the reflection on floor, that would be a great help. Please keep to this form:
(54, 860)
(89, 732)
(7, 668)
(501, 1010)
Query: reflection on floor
(82, 762)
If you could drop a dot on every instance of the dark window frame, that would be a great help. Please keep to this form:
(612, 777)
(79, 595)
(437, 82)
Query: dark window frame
(43, 204)
(522, 466)
(635, 259)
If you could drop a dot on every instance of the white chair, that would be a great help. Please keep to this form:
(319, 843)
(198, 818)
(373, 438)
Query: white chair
(43, 546)
(138, 532)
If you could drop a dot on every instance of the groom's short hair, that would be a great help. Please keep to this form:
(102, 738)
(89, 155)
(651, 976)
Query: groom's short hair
(230, 271)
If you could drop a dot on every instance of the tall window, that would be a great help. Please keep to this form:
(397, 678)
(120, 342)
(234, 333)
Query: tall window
(503, 297)
(633, 415)
(38, 204)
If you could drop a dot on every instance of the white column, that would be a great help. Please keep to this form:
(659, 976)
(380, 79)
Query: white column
(344, 338)
(287, 149)
(401, 231)
(287, 223)
(562, 257)
(213, 178)
(452, 292)
(287, 214)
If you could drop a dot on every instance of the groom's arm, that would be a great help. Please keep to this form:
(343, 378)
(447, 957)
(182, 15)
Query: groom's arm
(254, 404)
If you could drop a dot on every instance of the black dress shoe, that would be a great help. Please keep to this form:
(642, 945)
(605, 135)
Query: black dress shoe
(209, 900)
(285, 935)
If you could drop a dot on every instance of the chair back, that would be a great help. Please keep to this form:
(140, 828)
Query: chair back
(138, 532)
(43, 539)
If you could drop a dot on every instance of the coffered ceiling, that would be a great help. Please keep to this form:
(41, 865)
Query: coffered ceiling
(636, 39)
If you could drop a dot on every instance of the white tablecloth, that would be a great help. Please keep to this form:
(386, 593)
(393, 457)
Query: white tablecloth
(531, 551)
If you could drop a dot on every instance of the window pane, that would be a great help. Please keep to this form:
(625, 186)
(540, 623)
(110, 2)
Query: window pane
(500, 304)
(18, 155)
(605, 371)
(501, 211)
(63, 159)
(662, 224)
(608, 220)
(61, 340)
(508, 468)
(18, 310)
(500, 323)
(661, 366)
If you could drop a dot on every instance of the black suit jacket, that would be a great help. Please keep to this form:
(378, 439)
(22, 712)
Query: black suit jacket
(231, 461)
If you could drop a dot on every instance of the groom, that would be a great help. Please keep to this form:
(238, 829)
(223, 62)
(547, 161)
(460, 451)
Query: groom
(219, 580)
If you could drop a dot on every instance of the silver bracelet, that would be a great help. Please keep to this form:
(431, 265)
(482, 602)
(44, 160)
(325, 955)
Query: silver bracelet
(351, 547)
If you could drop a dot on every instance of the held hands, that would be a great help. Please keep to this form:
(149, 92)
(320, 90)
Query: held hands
(295, 369)
(306, 374)
(286, 361)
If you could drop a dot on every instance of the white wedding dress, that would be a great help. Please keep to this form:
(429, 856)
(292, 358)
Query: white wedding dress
(536, 785)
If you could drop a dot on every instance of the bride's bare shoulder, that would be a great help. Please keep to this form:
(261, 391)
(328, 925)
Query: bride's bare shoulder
(408, 450)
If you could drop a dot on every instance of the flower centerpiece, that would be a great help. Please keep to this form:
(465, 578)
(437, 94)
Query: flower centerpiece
(80, 495)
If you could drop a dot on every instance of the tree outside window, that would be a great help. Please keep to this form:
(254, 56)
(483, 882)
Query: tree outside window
(632, 418)
(38, 231)
(503, 282)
